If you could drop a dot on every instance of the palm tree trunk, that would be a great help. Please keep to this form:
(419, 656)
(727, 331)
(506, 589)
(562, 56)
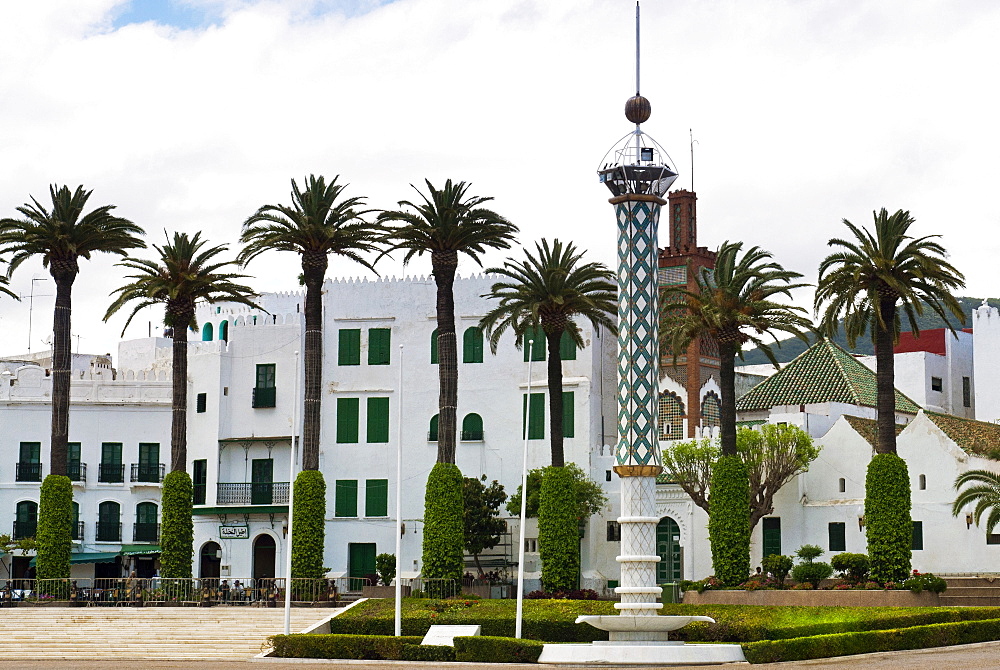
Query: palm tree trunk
(313, 271)
(444, 264)
(727, 385)
(61, 331)
(178, 417)
(555, 399)
(885, 378)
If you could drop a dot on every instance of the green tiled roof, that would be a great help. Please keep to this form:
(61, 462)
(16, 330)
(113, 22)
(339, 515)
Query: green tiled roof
(868, 428)
(822, 373)
(975, 437)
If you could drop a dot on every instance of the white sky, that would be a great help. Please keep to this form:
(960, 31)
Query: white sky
(804, 112)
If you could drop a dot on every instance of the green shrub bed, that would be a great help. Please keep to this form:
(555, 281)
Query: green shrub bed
(485, 649)
(358, 647)
(427, 652)
(863, 642)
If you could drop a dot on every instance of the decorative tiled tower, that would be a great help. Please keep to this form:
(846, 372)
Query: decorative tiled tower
(638, 174)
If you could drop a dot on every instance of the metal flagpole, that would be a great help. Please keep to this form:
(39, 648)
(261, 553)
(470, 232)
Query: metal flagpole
(399, 501)
(291, 495)
(524, 498)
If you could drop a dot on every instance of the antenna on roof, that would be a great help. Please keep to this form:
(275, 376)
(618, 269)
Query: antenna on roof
(693, 141)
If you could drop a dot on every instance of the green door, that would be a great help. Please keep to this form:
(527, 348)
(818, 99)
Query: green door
(111, 463)
(149, 462)
(771, 526)
(360, 563)
(668, 546)
(261, 478)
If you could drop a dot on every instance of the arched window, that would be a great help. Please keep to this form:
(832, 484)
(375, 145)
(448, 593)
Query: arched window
(146, 527)
(472, 428)
(472, 345)
(25, 519)
(206, 332)
(711, 410)
(567, 347)
(432, 433)
(671, 413)
(434, 347)
(76, 529)
(224, 331)
(109, 522)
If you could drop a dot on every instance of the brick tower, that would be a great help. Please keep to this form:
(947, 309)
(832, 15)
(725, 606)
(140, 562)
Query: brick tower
(679, 263)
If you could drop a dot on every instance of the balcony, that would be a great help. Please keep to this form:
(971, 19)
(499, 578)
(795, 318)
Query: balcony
(23, 529)
(255, 493)
(109, 531)
(77, 472)
(77, 531)
(264, 397)
(146, 532)
(150, 473)
(111, 473)
(28, 472)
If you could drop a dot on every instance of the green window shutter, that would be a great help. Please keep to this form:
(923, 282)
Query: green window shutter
(472, 345)
(567, 347)
(346, 497)
(434, 347)
(265, 376)
(377, 497)
(838, 536)
(31, 452)
(349, 347)
(432, 432)
(379, 341)
(378, 420)
(536, 352)
(347, 420)
(569, 423)
(73, 453)
(472, 428)
(536, 420)
(918, 535)
(111, 453)
(771, 530)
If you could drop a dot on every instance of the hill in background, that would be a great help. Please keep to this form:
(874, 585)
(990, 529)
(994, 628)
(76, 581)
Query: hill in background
(789, 348)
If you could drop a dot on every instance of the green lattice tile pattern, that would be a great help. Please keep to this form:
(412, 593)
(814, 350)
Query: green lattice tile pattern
(975, 437)
(824, 372)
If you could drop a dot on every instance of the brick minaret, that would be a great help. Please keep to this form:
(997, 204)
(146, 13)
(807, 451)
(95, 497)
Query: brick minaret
(679, 263)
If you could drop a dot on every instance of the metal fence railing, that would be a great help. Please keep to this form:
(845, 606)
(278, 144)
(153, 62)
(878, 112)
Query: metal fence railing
(158, 591)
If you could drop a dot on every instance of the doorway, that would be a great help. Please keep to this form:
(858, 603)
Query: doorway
(211, 561)
(360, 563)
(263, 557)
(771, 530)
(668, 546)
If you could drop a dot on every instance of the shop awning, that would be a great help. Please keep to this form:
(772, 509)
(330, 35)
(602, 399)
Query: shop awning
(133, 549)
(91, 557)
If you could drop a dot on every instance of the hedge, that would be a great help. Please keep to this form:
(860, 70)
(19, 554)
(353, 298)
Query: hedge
(359, 647)
(177, 528)
(888, 524)
(487, 649)
(729, 520)
(864, 642)
(55, 518)
(308, 525)
(558, 530)
(444, 526)
(427, 652)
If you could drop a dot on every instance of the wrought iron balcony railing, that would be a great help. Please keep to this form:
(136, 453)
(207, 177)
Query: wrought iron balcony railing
(148, 472)
(146, 532)
(28, 472)
(252, 493)
(23, 529)
(77, 472)
(77, 531)
(111, 473)
(472, 436)
(264, 397)
(109, 531)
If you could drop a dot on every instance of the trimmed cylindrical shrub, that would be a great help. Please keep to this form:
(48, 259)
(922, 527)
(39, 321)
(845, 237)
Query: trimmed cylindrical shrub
(444, 527)
(729, 520)
(54, 535)
(558, 531)
(176, 526)
(308, 525)
(887, 518)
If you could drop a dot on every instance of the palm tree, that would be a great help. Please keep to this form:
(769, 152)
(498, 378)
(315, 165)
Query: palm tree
(867, 278)
(984, 492)
(865, 281)
(444, 225)
(185, 274)
(545, 292)
(61, 236)
(319, 222)
(734, 304)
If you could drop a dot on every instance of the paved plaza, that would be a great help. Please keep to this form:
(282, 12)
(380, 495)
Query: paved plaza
(984, 656)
